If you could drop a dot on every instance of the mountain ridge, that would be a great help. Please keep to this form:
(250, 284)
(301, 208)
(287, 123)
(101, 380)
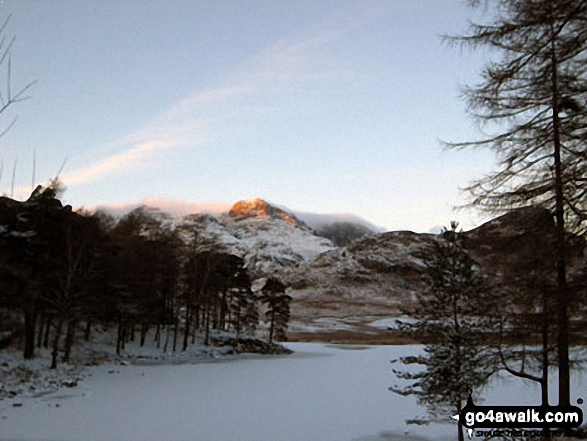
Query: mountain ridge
(354, 292)
(178, 208)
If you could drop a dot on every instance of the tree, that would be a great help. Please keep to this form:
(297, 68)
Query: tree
(278, 311)
(196, 268)
(242, 301)
(448, 318)
(8, 97)
(524, 282)
(145, 275)
(532, 102)
(27, 244)
(70, 276)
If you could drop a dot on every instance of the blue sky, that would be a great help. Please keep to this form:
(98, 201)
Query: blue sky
(321, 106)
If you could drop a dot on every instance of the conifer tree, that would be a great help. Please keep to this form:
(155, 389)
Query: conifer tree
(448, 319)
(278, 310)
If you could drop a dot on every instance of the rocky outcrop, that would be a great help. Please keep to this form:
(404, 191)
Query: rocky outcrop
(259, 209)
(252, 346)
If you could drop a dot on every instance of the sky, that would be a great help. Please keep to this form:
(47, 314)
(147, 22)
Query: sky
(331, 106)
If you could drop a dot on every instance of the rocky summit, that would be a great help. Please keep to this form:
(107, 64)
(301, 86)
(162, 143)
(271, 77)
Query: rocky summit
(260, 209)
(268, 238)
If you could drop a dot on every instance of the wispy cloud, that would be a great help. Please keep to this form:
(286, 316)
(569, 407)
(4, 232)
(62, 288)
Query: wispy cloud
(208, 116)
(134, 157)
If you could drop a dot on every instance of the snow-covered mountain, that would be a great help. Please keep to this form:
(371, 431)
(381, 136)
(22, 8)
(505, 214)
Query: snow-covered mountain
(353, 293)
(269, 238)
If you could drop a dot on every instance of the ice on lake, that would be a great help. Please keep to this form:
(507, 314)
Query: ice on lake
(320, 393)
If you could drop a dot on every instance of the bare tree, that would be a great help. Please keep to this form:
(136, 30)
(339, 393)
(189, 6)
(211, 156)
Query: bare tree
(8, 96)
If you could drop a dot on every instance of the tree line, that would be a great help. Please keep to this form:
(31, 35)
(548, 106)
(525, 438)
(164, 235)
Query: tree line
(62, 272)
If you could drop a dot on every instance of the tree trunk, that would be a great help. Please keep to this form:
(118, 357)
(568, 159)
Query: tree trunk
(197, 316)
(175, 325)
(144, 329)
(545, 362)
(186, 331)
(158, 335)
(207, 338)
(119, 337)
(214, 312)
(56, 338)
(237, 324)
(195, 326)
(132, 330)
(562, 291)
(223, 308)
(88, 330)
(166, 338)
(30, 323)
(69, 337)
(271, 326)
(41, 321)
(124, 334)
(47, 331)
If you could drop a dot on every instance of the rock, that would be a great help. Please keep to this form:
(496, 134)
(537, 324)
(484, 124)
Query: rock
(258, 208)
(68, 383)
(252, 345)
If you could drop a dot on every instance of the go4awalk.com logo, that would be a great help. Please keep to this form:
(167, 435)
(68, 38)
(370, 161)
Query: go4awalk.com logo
(518, 417)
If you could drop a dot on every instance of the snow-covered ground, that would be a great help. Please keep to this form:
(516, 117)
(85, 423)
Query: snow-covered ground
(322, 392)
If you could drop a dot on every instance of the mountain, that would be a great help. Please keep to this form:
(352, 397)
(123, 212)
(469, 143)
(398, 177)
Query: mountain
(178, 208)
(343, 233)
(355, 293)
(319, 220)
(267, 237)
(259, 209)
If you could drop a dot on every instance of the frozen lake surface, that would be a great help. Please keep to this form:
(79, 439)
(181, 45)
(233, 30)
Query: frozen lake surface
(320, 393)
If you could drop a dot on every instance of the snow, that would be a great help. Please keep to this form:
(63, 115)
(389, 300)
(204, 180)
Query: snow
(391, 322)
(276, 241)
(322, 392)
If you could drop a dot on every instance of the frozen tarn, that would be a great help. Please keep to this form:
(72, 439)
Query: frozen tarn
(326, 393)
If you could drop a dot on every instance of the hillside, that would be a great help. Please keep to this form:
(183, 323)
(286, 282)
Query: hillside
(355, 292)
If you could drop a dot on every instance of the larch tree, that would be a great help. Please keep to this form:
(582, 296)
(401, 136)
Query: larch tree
(531, 103)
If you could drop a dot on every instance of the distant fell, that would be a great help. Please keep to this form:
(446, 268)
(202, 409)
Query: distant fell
(258, 208)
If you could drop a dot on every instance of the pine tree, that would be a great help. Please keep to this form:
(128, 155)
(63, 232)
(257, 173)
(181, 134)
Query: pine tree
(448, 319)
(532, 101)
(278, 310)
